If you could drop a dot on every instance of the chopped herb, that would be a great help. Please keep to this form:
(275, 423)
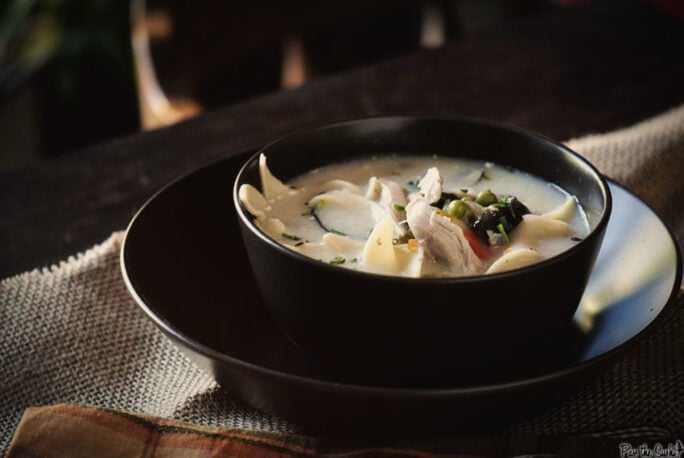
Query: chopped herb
(504, 222)
(422, 194)
(414, 183)
(335, 231)
(299, 244)
(575, 239)
(320, 204)
(398, 207)
(503, 233)
(337, 260)
(291, 237)
(464, 190)
(354, 260)
(505, 202)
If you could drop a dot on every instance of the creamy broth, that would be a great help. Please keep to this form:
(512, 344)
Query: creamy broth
(417, 216)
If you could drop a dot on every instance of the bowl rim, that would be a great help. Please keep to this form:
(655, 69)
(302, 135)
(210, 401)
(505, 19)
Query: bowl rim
(248, 220)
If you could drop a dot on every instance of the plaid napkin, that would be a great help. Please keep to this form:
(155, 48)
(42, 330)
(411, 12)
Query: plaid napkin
(77, 431)
(72, 334)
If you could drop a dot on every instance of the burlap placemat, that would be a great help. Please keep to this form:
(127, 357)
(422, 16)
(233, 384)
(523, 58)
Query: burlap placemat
(72, 333)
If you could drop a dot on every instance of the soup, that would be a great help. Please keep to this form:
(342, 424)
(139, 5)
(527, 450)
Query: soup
(417, 216)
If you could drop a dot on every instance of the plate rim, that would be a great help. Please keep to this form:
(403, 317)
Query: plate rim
(395, 391)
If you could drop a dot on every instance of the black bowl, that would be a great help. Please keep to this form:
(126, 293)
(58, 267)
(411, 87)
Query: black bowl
(379, 328)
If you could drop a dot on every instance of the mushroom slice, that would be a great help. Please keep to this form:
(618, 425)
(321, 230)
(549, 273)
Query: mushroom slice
(442, 239)
(515, 259)
(346, 213)
(534, 228)
(270, 185)
(378, 253)
(411, 261)
(564, 212)
(471, 178)
(341, 243)
(272, 226)
(374, 188)
(431, 185)
(253, 200)
(342, 184)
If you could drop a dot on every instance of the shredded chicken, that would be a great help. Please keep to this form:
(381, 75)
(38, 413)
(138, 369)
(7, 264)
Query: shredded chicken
(442, 239)
(431, 185)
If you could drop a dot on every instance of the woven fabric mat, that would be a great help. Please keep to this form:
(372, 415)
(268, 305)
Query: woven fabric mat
(72, 333)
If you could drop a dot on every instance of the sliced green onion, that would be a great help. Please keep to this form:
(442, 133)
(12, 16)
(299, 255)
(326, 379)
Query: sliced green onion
(291, 237)
(337, 260)
(398, 207)
(502, 231)
(354, 260)
(320, 204)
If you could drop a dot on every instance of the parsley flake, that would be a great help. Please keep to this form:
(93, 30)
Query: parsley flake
(291, 237)
(337, 260)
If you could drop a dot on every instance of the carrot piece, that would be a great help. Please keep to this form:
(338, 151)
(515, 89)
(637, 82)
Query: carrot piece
(479, 248)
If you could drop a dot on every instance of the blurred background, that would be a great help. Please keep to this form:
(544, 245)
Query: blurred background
(78, 72)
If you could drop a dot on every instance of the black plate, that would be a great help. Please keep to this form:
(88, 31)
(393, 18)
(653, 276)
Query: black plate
(184, 263)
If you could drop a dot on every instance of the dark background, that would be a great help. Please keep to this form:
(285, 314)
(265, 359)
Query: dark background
(75, 167)
(67, 70)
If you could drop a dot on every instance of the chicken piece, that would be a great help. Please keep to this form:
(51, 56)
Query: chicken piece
(431, 185)
(441, 239)
(391, 197)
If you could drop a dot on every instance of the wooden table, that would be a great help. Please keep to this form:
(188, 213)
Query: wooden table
(564, 74)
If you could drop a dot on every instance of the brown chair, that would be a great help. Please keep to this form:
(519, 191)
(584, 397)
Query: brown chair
(191, 56)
